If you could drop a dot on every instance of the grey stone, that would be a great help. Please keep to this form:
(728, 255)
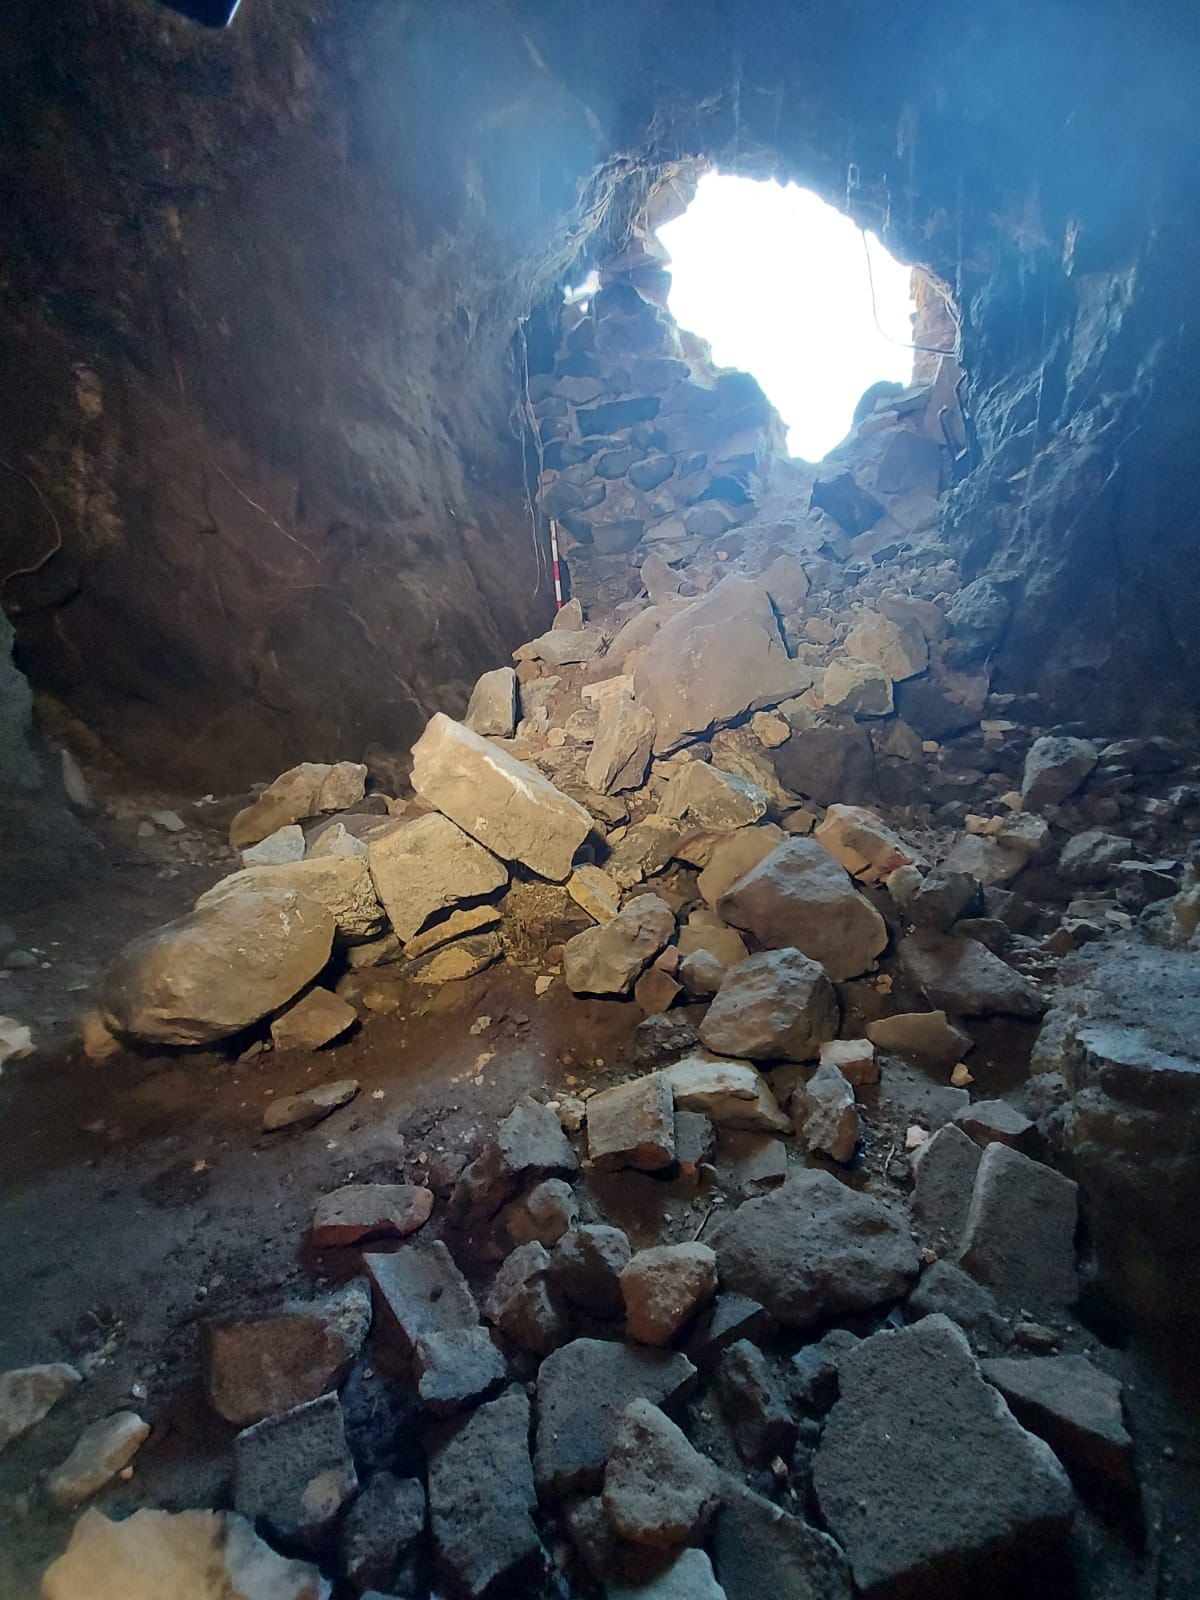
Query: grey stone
(308, 790)
(947, 1289)
(1055, 768)
(831, 764)
(607, 959)
(730, 1318)
(985, 1491)
(285, 844)
(310, 1106)
(945, 1168)
(587, 1264)
(103, 1449)
(1074, 1406)
(761, 1551)
(690, 1577)
(269, 1364)
(826, 1115)
(561, 647)
(1019, 1236)
(524, 1303)
(646, 848)
(799, 896)
(858, 687)
(529, 1143)
(996, 1122)
(814, 1249)
(507, 806)
(456, 1368)
(492, 708)
(815, 1370)
(420, 1291)
(775, 1005)
(28, 1393)
(294, 1472)
(1092, 857)
(316, 1019)
(979, 614)
(730, 1094)
(707, 798)
(383, 1528)
(359, 1211)
(549, 1210)
(340, 883)
(658, 1490)
(754, 1405)
(624, 739)
(898, 649)
(427, 866)
(582, 1389)
(633, 1125)
(481, 1500)
(962, 976)
(663, 1289)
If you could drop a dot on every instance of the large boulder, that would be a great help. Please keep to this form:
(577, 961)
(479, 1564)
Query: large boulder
(1019, 1234)
(775, 1005)
(308, 790)
(799, 896)
(341, 884)
(814, 1249)
(924, 1476)
(425, 866)
(501, 802)
(607, 959)
(714, 660)
(217, 970)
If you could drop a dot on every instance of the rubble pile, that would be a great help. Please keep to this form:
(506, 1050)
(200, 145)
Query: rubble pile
(753, 784)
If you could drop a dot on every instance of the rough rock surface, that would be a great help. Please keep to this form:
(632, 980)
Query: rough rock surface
(633, 1125)
(304, 791)
(658, 1490)
(729, 1093)
(504, 804)
(798, 895)
(826, 1114)
(761, 1550)
(925, 1036)
(177, 985)
(689, 1577)
(1054, 768)
(28, 1393)
(456, 1368)
(383, 1527)
(341, 884)
(663, 1289)
(369, 1211)
(1019, 1236)
(621, 750)
(778, 1004)
(100, 1452)
(814, 1249)
(309, 1106)
(1074, 1406)
(706, 797)
(964, 977)
(607, 959)
(524, 1302)
(293, 1472)
(492, 709)
(587, 1264)
(425, 866)
(316, 1019)
(421, 1291)
(945, 1168)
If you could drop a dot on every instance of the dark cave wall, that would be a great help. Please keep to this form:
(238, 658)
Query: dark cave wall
(260, 290)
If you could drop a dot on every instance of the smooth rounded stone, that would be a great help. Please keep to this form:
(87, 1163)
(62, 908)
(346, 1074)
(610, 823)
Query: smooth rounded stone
(775, 1005)
(582, 1389)
(502, 803)
(899, 650)
(925, 1036)
(658, 1490)
(964, 977)
(310, 1106)
(986, 1490)
(492, 708)
(284, 845)
(102, 1450)
(341, 884)
(762, 1553)
(730, 1094)
(1019, 1236)
(383, 1528)
(420, 1291)
(754, 1405)
(996, 1122)
(826, 1116)
(1074, 1406)
(587, 1264)
(456, 1368)
(705, 797)
(858, 687)
(258, 1367)
(1055, 768)
(524, 1303)
(369, 1211)
(28, 1393)
(733, 856)
(595, 892)
(814, 1249)
(798, 896)
(608, 959)
(1092, 856)
(481, 1500)
(293, 1472)
(316, 1019)
(157, 1555)
(860, 841)
(425, 866)
(701, 974)
(545, 1214)
(622, 746)
(664, 1287)
(944, 1169)
(855, 1060)
(690, 1577)
(177, 985)
(308, 790)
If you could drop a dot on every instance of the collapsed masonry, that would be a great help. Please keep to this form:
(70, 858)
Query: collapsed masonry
(754, 784)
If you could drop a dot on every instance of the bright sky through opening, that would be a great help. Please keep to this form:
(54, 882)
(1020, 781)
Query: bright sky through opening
(776, 281)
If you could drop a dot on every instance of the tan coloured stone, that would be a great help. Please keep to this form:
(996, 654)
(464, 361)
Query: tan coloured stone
(624, 739)
(864, 844)
(717, 801)
(898, 649)
(733, 856)
(101, 1451)
(608, 959)
(317, 1019)
(304, 791)
(468, 919)
(854, 1059)
(423, 867)
(341, 884)
(859, 687)
(731, 1094)
(594, 891)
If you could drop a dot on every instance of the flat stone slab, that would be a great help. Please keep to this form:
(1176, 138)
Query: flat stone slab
(427, 866)
(316, 1019)
(369, 1211)
(310, 1106)
(731, 1094)
(1074, 1406)
(421, 1291)
(945, 1168)
(294, 1472)
(1019, 1236)
(922, 1472)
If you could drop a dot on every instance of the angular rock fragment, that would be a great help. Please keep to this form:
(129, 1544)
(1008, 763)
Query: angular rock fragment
(1092, 856)
(701, 975)
(860, 841)
(269, 1364)
(101, 1451)
(814, 1249)
(456, 1368)
(607, 959)
(761, 1551)
(776, 1005)
(177, 984)
(524, 1303)
(857, 687)
(964, 977)
(854, 1059)
(369, 1211)
(28, 1393)
(705, 797)
(285, 844)
(294, 1472)
(996, 1122)
(633, 1125)
(492, 708)
(316, 1019)
(799, 896)
(582, 1389)
(341, 884)
(507, 806)
(205, 1555)
(826, 1115)
(947, 1289)
(421, 1291)
(549, 1210)
(815, 1370)
(754, 1405)
(382, 1530)
(1054, 769)
(451, 963)
(1074, 1406)
(529, 1144)
(425, 866)
(731, 1317)
(663, 1289)
(732, 855)
(621, 750)
(900, 650)
(658, 1490)
(945, 1168)
(304, 791)
(597, 893)
(1019, 1236)
(689, 1577)
(587, 1264)
(310, 1106)
(925, 1036)
(729, 1093)
(986, 1491)
(481, 1500)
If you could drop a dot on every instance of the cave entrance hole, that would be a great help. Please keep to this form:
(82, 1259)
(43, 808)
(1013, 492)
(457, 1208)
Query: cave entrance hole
(784, 286)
